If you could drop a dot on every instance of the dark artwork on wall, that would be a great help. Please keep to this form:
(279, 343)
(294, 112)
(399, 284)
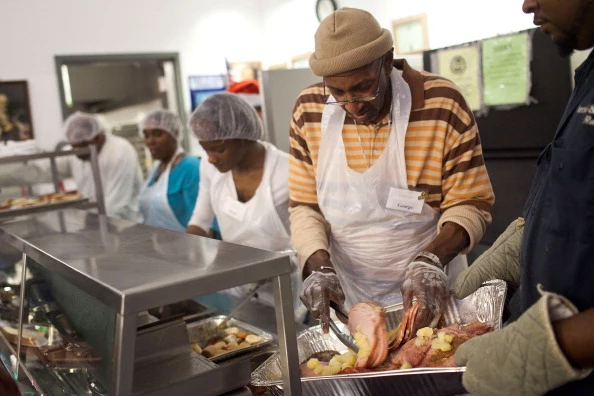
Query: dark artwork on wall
(15, 111)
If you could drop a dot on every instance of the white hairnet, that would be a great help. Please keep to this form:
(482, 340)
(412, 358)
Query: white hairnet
(224, 116)
(164, 120)
(82, 127)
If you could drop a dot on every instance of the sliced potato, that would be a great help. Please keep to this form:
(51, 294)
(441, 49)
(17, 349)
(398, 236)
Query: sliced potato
(331, 369)
(220, 345)
(406, 365)
(231, 330)
(253, 339)
(232, 346)
(197, 348)
(442, 346)
(426, 332)
(313, 363)
(363, 344)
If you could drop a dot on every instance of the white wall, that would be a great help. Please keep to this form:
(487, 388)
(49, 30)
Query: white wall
(449, 22)
(204, 32)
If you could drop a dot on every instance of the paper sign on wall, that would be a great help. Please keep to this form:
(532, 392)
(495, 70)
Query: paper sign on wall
(506, 69)
(461, 66)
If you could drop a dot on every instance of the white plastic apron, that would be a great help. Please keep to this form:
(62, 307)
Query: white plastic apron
(372, 245)
(257, 224)
(154, 205)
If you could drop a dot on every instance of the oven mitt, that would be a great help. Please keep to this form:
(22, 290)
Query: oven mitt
(500, 261)
(522, 358)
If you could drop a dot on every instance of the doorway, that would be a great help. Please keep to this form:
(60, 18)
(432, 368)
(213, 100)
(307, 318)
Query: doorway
(122, 88)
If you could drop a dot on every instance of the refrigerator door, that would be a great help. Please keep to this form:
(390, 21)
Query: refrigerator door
(280, 89)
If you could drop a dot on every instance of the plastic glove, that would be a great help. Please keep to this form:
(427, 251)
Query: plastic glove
(428, 284)
(500, 261)
(319, 288)
(522, 358)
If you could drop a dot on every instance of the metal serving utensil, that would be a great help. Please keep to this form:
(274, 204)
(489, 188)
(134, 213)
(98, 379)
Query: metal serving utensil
(236, 309)
(345, 338)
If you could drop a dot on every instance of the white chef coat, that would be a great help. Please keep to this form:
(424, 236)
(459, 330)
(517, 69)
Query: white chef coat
(121, 177)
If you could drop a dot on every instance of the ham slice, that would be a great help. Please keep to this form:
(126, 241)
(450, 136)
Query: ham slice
(367, 323)
(426, 356)
(403, 332)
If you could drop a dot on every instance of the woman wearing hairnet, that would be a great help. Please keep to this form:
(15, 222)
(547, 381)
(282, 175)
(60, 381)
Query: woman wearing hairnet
(168, 197)
(244, 182)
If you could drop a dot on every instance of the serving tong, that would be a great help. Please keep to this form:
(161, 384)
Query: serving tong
(345, 338)
(392, 321)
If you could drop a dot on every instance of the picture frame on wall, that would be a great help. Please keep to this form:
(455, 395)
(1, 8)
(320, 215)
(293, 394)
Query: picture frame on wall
(410, 35)
(15, 111)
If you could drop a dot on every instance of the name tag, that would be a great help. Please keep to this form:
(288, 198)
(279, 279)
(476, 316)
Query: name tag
(234, 209)
(406, 200)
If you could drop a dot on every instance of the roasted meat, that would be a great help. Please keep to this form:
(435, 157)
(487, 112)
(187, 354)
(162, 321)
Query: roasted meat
(427, 352)
(367, 324)
(403, 332)
(399, 349)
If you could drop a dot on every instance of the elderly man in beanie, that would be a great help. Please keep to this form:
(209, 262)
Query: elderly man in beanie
(387, 181)
(121, 176)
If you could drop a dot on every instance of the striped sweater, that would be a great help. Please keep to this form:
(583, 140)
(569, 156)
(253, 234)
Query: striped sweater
(443, 157)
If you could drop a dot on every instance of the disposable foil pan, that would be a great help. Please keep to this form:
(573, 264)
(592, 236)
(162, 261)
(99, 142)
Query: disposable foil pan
(201, 331)
(484, 305)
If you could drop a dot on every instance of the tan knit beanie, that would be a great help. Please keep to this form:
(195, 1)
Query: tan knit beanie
(346, 40)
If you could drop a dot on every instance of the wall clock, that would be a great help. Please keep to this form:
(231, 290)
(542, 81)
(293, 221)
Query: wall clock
(325, 8)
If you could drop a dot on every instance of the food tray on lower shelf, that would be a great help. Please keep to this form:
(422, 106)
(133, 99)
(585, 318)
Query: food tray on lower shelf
(17, 211)
(202, 331)
(485, 305)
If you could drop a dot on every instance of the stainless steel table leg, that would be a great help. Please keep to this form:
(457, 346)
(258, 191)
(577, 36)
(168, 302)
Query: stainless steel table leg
(287, 337)
(123, 355)
(17, 369)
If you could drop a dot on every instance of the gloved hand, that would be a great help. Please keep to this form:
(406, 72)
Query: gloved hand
(319, 288)
(428, 284)
(500, 261)
(522, 358)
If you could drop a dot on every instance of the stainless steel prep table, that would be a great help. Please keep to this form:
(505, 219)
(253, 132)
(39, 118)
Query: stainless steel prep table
(131, 268)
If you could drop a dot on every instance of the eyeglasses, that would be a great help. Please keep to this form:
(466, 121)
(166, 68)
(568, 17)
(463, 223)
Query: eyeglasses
(360, 98)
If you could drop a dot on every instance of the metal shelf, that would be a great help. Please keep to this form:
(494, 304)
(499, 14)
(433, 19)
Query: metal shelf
(133, 267)
(99, 198)
(78, 203)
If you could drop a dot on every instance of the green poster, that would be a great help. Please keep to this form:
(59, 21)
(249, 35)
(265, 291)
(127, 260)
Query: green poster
(506, 69)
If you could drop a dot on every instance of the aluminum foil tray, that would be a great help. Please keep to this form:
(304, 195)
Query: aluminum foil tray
(201, 331)
(484, 305)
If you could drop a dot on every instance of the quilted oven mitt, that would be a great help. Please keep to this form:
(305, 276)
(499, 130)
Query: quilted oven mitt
(522, 358)
(500, 261)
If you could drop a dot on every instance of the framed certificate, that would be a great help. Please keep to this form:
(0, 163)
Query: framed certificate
(410, 34)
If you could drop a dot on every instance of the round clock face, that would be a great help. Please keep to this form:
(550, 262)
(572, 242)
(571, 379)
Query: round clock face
(325, 8)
